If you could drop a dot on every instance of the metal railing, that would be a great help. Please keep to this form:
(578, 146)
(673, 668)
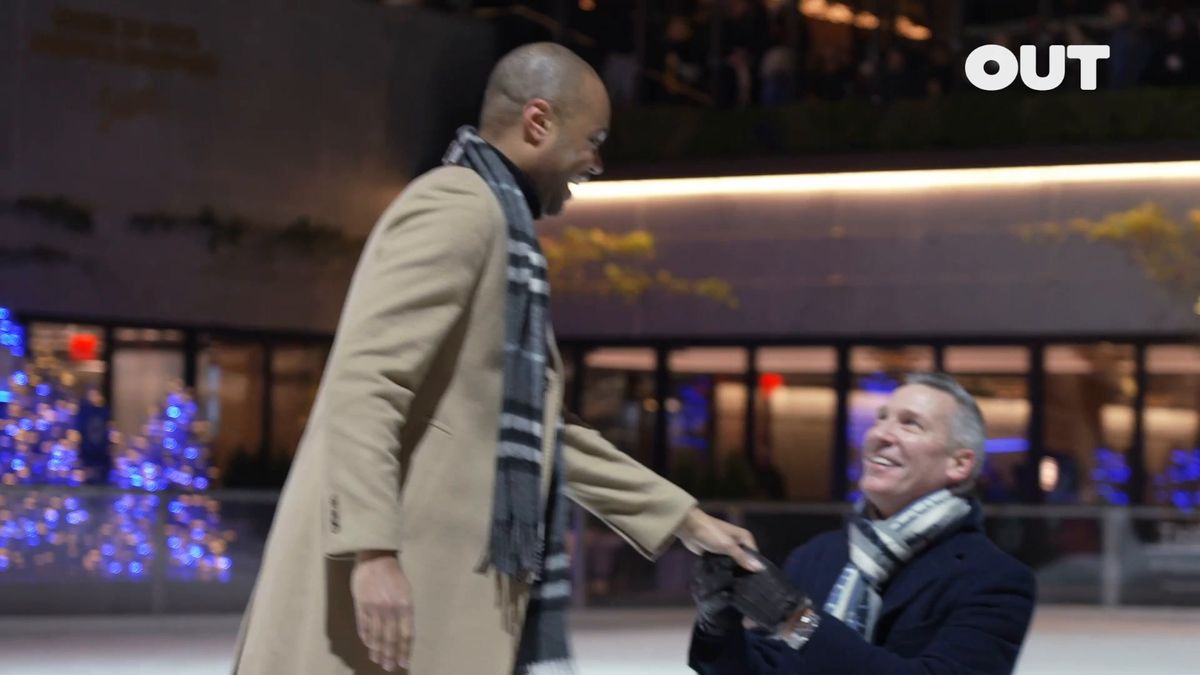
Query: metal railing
(102, 550)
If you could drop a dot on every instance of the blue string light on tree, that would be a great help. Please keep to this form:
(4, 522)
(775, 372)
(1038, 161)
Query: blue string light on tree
(1112, 474)
(171, 453)
(39, 444)
(58, 535)
(1179, 484)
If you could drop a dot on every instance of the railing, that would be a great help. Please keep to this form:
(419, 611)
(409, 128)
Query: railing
(1090, 555)
(103, 550)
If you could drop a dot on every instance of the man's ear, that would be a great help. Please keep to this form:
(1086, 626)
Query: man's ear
(537, 120)
(962, 464)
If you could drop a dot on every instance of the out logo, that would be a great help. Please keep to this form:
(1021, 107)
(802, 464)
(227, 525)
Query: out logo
(1087, 55)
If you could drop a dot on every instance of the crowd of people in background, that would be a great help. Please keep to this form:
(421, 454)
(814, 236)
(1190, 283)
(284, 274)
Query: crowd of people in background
(759, 65)
(755, 54)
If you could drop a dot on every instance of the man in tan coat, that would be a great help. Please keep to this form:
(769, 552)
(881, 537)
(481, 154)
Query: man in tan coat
(391, 539)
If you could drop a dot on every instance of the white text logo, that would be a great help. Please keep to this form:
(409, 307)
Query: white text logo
(1028, 67)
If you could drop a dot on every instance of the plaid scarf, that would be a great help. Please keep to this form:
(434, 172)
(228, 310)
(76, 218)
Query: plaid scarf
(879, 547)
(521, 545)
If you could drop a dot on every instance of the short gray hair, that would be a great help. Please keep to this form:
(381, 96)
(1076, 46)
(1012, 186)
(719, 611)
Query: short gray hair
(967, 428)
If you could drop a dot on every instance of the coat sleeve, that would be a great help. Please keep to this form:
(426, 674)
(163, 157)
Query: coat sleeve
(641, 506)
(416, 277)
(981, 636)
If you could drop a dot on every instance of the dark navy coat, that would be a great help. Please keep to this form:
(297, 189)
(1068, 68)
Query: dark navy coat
(961, 607)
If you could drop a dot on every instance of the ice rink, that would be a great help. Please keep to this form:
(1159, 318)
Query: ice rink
(1086, 640)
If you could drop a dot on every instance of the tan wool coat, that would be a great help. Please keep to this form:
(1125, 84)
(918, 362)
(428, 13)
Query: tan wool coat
(400, 454)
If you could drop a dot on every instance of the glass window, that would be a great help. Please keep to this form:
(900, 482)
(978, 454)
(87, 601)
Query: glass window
(73, 353)
(295, 377)
(794, 421)
(1090, 390)
(618, 398)
(707, 421)
(147, 364)
(1172, 425)
(998, 379)
(65, 367)
(229, 385)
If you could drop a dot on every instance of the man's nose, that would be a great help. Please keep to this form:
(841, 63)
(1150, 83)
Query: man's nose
(884, 432)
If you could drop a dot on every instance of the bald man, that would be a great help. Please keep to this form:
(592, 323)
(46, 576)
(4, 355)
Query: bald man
(422, 527)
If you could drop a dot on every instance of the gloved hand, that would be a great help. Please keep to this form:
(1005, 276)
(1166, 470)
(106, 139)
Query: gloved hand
(766, 597)
(712, 591)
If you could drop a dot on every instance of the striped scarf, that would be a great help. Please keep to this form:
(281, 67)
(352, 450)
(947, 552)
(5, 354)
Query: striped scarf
(879, 547)
(525, 543)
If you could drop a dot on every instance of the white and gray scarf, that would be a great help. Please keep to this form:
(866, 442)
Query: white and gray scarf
(525, 542)
(880, 547)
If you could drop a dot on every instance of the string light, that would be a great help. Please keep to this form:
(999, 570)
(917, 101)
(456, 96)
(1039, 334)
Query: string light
(44, 532)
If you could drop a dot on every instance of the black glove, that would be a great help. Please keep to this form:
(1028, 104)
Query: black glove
(766, 597)
(712, 591)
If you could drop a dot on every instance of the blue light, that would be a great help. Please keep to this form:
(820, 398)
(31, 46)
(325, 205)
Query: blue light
(26, 424)
(145, 549)
(33, 541)
(195, 551)
(224, 563)
(5, 396)
(20, 378)
(878, 383)
(51, 516)
(108, 550)
(3, 563)
(76, 517)
(170, 443)
(198, 534)
(174, 543)
(1004, 446)
(174, 412)
(43, 425)
(4, 314)
(176, 507)
(1181, 500)
(114, 568)
(200, 483)
(169, 427)
(12, 430)
(191, 453)
(135, 568)
(135, 481)
(43, 390)
(17, 464)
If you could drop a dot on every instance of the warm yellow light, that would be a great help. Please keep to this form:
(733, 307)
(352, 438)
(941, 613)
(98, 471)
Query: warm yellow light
(889, 181)
(912, 31)
(839, 13)
(866, 21)
(815, 8)
(1048, 474)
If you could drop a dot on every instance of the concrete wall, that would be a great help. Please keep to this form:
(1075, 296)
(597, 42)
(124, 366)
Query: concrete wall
(928, 262)
(266, 111)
